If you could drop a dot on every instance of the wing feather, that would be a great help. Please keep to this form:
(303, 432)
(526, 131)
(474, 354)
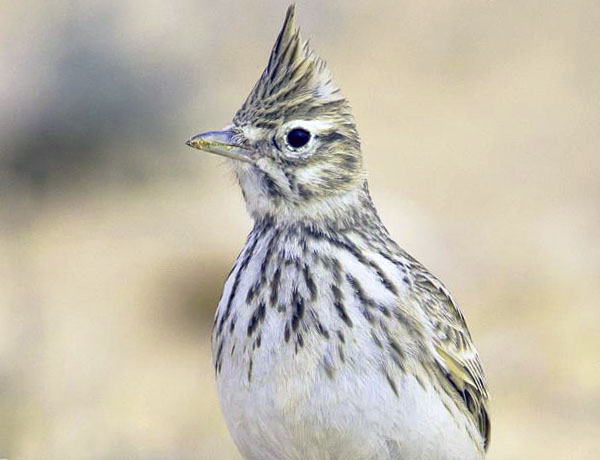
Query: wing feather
(456, 354)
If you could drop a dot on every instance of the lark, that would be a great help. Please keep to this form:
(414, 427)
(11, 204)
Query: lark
(330, 341)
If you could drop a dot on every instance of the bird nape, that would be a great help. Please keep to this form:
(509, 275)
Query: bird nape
(329, 340)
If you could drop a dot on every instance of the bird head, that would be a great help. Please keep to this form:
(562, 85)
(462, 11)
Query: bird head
(293, 143)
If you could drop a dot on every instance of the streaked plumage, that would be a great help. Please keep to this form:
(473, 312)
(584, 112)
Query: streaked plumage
(331, 342)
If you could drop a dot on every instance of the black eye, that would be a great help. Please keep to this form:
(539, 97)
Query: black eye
(298, 138)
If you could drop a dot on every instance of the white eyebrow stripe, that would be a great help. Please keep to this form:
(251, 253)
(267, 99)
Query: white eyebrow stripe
(314, 126)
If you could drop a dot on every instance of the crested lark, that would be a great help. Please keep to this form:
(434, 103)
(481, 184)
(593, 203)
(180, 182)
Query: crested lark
(330, 341)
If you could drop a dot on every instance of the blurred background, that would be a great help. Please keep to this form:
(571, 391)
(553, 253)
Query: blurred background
(479, 122)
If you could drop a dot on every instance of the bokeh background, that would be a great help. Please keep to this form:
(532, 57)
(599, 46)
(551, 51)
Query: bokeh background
(479, 122)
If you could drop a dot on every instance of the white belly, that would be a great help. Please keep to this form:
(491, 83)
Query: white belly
(284, 415)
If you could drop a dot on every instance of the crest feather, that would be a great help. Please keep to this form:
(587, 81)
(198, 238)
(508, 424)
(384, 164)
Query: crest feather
(294, 77)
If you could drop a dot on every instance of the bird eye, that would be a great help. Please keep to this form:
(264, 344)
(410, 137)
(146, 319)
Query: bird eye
(298, 137)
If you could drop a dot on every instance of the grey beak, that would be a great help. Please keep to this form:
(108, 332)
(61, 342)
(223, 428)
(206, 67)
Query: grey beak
(220, 143)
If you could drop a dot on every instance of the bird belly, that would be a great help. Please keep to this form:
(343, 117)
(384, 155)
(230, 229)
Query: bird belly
(293, 410)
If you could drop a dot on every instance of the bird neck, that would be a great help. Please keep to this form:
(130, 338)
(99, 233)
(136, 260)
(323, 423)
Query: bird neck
(348, 210)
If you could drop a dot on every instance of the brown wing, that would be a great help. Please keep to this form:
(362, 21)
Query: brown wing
(457, 356)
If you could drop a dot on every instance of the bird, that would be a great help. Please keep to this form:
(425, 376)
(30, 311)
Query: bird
(330, 341)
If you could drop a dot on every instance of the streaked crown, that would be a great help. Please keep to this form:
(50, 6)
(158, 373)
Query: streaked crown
(296, 84)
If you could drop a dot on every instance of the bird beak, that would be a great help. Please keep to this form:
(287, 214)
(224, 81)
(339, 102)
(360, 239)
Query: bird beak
(220, 143)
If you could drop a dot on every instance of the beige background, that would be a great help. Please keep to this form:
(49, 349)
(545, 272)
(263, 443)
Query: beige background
(479, 122)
